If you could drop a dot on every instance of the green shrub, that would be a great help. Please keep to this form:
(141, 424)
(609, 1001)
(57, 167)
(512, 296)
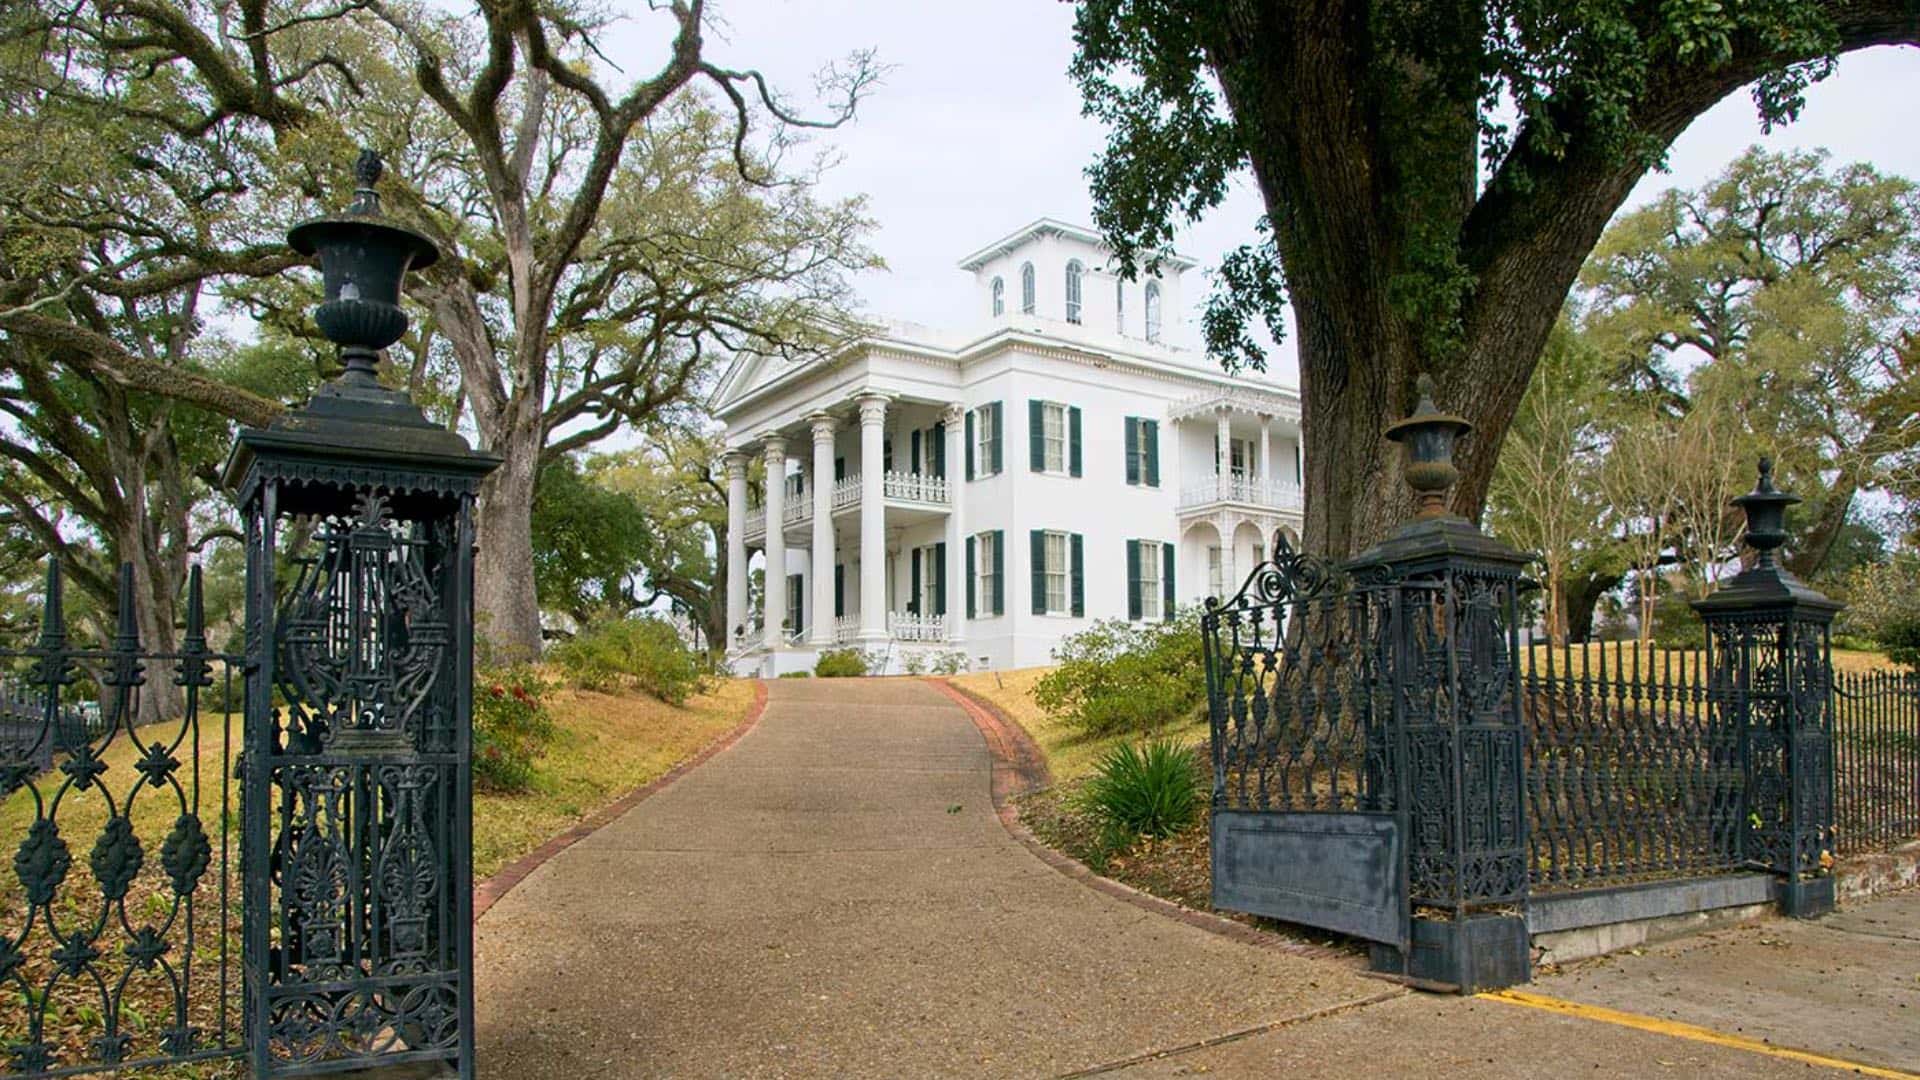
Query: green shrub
(950, 662)
(1122, 676)
(1676, 625)
(796, 675)
(1900, 636)
(511, 727)
(1148, 790)
(840, 664)
(645, 653)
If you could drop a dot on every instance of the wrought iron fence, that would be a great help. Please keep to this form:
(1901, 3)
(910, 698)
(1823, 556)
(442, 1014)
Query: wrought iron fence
(119, 927)
(1631, 773)
(1301, 704)
(1876, 732)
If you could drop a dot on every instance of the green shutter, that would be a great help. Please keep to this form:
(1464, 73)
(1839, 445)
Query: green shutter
(999, 436)
(940, 579)
(913, 595)
(1133, 577)
(1073, 441)
(839, 590)
(1037, 549)
(939, 449)
(1150, 450)
(1133, 450)
(999, 569)
(1166, 581)
(839, 469)
(913, 452)
(796, 593)
(1077, 577)
(1037, 435)
(972, 543)
(969, 444)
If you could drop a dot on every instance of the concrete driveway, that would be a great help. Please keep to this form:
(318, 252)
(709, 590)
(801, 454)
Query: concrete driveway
(834, 896)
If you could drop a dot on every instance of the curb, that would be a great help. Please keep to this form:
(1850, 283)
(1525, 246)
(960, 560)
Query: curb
(488, 892)
(1861, 877)
(1020, 768)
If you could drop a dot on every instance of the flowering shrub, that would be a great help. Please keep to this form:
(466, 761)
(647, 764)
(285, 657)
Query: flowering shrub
(511, 727)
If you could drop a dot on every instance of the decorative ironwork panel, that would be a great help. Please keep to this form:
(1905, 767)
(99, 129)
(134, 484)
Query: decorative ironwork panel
(1876, 739)
(1457, 683)
(116, 927)
(1297, 690)
(1631, 776)
(365, 797)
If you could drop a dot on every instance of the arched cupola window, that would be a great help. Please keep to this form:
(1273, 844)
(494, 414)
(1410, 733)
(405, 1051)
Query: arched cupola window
(999, 297)
(1153, 311)
(1074, 272)
(1026, 289)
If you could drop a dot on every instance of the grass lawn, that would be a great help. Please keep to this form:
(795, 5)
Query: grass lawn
(1071, 755)
(606, 745)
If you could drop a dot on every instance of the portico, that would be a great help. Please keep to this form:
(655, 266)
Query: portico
(875, 505)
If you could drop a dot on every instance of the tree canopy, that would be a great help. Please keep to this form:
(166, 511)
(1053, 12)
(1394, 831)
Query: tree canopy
(1434, 177)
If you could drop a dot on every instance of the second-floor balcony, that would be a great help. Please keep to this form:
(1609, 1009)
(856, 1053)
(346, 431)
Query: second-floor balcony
(910, 490)
(1243, 490)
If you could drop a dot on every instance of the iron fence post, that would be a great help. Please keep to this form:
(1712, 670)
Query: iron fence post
(1458, 694)
(357, 782)
(1772, 680)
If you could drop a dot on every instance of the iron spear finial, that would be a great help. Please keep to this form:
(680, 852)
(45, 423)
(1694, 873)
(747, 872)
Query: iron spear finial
(366, 173)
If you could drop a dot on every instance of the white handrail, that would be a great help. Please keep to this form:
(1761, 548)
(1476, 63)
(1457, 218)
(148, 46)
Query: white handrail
(906, 626)
(756, 521)
(797, 510)
(846, 492)
(917, 487)
(1240, 489)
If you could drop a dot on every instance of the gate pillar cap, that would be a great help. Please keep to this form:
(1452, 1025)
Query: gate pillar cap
(353, 430)
(1767, 586)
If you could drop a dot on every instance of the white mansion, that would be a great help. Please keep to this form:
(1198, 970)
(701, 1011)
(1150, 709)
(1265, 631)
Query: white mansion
(983, 494)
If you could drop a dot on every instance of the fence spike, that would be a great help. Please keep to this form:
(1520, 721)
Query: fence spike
(128, 638)
(53, 618)
(196, 640)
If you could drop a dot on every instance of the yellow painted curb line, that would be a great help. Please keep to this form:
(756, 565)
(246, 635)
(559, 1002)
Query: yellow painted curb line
(1678, 1030)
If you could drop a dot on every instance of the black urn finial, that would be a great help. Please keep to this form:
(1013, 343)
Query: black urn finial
(1766, 510)
(1428, 436)
(364, 258)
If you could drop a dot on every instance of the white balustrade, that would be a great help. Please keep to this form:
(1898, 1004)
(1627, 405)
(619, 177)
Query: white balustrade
(1241, 489)
(916, 487)
(756, 520)
(846, 492)
(797, 509)
(846, 628)
(906, 626)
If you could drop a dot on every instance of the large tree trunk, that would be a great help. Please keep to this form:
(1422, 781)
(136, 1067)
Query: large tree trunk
(506, 607)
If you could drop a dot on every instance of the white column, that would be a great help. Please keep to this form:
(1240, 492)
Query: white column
(1266, 451)
(1223, 454)
(776, 584)
(956, 421)
(823, 535)
(873, 521)
(736, 463)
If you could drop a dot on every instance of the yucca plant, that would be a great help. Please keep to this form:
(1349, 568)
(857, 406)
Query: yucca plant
(1149, 789)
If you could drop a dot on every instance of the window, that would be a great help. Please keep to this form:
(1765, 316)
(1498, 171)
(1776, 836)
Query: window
(987, 564)
(1239, 457)
(1216, 573)
(999, 297)
(985, 435)
(1120, 307)
(1143, 451)
(1073, 291)
(1149, 584)
(1053, 431)
(928, 564)
(1026, 289)
(1055, 571)
(1153, 311)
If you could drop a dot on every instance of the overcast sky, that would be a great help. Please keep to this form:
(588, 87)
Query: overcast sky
(977, 130)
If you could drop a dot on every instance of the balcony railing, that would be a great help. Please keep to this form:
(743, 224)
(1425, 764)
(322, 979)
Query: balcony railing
(846, 492)
(845, 628)
(796, 511)
(916, 487)
(756, 520)
(906, 626)
(1241, 489)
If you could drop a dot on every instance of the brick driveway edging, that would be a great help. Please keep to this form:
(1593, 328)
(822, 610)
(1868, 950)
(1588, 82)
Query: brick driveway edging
(488, 892)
